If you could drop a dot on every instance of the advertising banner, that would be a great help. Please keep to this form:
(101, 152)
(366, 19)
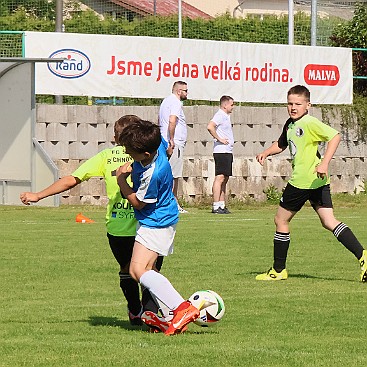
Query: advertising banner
(146, 67)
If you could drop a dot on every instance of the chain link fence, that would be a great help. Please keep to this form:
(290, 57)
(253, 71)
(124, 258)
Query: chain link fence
(244, 23)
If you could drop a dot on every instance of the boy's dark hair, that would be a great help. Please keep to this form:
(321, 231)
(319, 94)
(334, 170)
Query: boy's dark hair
(123, 122)
(142, 136)
(300, 90)
(225, 99)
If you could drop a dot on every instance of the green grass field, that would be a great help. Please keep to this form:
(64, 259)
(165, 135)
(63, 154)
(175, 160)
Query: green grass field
(61, 304)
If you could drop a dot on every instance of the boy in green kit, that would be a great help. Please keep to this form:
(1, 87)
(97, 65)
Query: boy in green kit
(302, 133)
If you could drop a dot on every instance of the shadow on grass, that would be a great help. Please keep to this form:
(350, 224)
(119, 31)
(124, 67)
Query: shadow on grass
(307, 276)
(124, 324)
(203, 330)
(112, 321)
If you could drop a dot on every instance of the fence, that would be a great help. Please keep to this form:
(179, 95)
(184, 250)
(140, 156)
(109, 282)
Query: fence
(247, 25)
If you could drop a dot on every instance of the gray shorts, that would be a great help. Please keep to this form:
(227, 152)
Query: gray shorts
(176, 161)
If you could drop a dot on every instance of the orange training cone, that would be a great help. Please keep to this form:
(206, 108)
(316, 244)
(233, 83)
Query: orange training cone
(80, 218)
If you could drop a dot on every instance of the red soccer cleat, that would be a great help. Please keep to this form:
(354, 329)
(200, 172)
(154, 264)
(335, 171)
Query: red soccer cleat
(154, 321)
(183, 315)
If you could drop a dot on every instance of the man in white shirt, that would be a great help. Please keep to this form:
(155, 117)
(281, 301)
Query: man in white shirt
(174, 130)
(220, 128)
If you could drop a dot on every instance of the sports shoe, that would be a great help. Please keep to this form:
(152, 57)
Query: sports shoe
(363, 264)
(135, 320)
(271, 274)
(155, 322)
(184, 314)
(226, 211)
(157, 326)
(219, 211)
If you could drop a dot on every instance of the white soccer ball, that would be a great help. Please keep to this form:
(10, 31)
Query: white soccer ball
(210, 305)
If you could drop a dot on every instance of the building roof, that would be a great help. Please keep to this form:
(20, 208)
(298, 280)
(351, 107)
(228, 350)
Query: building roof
(163, 7)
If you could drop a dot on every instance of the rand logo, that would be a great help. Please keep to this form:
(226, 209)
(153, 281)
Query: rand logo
(75, 65)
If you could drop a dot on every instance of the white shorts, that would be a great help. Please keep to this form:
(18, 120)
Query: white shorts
(159, 240)
(176, 161)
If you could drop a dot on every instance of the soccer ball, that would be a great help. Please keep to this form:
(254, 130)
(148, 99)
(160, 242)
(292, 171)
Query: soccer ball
(210, 305)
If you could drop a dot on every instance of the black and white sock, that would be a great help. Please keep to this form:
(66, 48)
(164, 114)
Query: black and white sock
(130, 289)
(346, 237)
(281, 245)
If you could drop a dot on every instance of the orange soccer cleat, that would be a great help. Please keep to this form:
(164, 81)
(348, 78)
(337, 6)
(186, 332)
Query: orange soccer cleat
(183, 315)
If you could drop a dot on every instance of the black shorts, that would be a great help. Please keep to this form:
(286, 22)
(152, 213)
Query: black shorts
(122, 249)
(223, 163)
(293, 199)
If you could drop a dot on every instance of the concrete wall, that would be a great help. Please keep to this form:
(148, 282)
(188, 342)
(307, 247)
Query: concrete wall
(72, 134)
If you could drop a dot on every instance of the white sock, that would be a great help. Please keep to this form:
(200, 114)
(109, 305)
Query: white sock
(222, 204)
(161, 287)
(164, 310)
(216, 205)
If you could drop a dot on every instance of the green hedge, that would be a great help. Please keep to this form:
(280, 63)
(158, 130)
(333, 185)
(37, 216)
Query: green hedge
(269, 29)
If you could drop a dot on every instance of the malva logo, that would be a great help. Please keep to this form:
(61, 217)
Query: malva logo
(75, 65)
(316, 74)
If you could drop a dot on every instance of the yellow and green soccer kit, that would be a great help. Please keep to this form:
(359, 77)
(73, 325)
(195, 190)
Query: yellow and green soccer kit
(120, 218)
(303, 137)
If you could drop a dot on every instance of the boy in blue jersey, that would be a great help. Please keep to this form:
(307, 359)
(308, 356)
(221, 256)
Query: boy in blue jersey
(310, 181)
(120, 218)
(156, 211)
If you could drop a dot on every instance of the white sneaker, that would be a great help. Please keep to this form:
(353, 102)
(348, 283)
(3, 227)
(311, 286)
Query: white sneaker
(182, 210)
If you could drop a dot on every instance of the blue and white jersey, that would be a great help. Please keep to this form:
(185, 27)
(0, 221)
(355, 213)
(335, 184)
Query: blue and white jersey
(153, 186)
(163, 146)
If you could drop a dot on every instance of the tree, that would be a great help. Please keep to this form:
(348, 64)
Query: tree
(353, 34)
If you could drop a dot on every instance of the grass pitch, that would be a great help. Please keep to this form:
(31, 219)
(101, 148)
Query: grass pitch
(61, 304)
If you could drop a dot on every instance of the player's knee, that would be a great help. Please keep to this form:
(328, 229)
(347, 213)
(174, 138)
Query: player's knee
(279, 221)
(281, 224)
(135, 271)
(219, 179)
(324, 224)
(329, 224)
